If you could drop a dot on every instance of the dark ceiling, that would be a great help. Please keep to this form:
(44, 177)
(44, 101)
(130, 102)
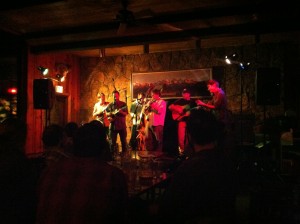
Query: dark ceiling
(76, 25)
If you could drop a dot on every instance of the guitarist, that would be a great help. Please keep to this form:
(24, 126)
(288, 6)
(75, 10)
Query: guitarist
(99, 112)
(180, 111)
(116, 112)
(218, 106)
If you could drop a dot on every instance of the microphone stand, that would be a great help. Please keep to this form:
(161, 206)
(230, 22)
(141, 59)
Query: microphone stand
(241, 107)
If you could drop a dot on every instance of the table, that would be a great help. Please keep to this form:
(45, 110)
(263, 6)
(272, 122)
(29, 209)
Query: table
(146, 171)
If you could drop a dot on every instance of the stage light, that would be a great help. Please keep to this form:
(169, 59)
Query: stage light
(43, 71)
(231, 58)
(60, 78)
(244, 66)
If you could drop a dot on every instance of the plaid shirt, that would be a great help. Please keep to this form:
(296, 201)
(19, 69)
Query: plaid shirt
(82, 190)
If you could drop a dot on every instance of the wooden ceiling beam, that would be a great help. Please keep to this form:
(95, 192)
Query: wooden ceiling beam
(205, 33)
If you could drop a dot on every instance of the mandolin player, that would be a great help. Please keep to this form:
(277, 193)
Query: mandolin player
(180, 111)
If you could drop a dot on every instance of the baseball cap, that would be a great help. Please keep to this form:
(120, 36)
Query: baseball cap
(186, 90)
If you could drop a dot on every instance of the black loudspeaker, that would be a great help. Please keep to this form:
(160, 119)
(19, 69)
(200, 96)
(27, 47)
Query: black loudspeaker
(43, 93)
(267, 85)
(218, 74)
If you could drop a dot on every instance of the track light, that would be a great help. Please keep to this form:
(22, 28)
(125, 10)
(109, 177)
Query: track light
(231, 58)
(244, 66)
(60, 78)
(43, 71)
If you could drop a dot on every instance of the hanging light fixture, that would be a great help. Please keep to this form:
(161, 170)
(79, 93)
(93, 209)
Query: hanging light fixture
(44, 71)
(231, 58)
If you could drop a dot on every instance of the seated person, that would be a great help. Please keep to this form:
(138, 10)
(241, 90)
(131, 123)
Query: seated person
(18, 174)
(203, 186)
(84, 188)
(53, 137)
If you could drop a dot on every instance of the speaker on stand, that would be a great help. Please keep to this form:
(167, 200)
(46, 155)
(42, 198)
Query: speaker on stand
(268, 89)
(267, 86)
(43, 96)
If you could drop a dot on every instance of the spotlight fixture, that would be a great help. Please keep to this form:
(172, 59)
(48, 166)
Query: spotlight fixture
(244, 66)
(60, 78)
(231, 58)
(43, 71)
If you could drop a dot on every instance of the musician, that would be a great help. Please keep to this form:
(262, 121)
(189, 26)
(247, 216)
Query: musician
(156, 117)
(99, 112)
(180, 111)
(116, 113)
(218, 106)
(135, 113)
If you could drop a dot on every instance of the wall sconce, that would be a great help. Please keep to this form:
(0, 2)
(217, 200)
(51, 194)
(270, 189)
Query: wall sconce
(231, 58)
(44, 71)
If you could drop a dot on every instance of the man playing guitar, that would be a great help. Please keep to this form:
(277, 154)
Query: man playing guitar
(180, 111)
(117, 112)
(99, 112)
(218, 106)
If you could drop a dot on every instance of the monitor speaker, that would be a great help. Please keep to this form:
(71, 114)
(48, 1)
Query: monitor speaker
(267, 86)
(43, 93)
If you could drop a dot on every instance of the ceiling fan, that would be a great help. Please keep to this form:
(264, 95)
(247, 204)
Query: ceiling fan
(127, 18)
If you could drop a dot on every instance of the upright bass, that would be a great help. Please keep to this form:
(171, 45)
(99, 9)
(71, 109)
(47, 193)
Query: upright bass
(143, 125)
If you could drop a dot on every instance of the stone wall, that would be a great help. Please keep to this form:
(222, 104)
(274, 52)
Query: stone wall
(109, 73)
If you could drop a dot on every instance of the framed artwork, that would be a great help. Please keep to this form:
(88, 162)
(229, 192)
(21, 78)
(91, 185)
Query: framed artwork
(171, 83)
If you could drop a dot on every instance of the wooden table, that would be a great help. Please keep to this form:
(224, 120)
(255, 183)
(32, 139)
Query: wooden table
(147, 172)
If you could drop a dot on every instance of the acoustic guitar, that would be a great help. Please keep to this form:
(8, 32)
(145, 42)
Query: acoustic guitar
(111, 115)
(179, 112)
(102, 117)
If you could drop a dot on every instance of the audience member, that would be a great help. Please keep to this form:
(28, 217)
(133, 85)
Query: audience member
(202, 189)
(70, 131)
(53, 137)
(17, 174)
(84, 188)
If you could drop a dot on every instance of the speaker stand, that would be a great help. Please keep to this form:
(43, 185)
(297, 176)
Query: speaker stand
(241, 109)
(47, 117)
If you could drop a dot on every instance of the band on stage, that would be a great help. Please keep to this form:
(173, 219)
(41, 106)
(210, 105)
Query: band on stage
(147, 117)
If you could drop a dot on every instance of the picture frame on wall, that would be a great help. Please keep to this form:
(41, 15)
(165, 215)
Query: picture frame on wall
(171, 83)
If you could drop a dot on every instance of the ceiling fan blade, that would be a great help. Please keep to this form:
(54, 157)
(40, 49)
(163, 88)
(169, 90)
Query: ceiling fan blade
(145, 13)
(122, 28)
(168, 27)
